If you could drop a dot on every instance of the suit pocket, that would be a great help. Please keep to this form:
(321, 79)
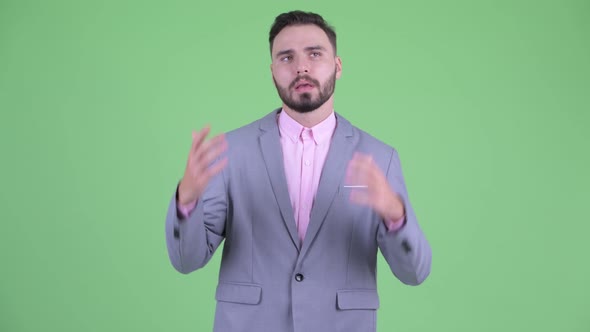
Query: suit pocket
(357, 299)
(238, 293)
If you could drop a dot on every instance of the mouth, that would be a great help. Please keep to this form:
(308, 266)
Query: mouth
(304, 86)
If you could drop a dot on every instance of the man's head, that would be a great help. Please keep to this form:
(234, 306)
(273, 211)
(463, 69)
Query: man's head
(298, 17)
(304, 62)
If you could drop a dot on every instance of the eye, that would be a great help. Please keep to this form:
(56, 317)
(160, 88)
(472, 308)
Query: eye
(315, 54)
(286, 58)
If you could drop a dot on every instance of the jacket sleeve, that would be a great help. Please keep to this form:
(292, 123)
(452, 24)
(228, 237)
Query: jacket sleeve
(406, 250)
(191, 242)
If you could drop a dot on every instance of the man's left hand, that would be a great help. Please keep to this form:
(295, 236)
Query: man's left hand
(370, 187)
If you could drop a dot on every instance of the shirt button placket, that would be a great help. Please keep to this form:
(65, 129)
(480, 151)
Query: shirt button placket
(306, 181)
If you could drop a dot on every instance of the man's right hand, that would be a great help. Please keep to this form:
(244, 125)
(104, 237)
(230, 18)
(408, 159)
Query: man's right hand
(199, 168)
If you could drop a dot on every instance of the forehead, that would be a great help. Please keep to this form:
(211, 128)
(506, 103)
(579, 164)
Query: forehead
(298, 37)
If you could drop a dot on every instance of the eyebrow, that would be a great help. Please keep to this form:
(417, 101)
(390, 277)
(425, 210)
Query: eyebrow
(315, 48)
(307, 49)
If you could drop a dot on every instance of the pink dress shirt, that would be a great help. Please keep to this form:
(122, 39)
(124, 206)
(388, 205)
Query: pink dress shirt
(304, 154)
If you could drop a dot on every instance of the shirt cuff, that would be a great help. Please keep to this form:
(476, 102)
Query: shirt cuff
(395, 225)
(186, 209)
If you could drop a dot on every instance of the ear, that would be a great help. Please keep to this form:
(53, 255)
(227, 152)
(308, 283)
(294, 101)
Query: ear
(338, 67)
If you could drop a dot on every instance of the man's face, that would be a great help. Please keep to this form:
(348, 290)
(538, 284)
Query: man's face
(304, 67)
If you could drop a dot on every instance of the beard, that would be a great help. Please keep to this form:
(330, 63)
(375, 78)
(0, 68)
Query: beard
(305, 102)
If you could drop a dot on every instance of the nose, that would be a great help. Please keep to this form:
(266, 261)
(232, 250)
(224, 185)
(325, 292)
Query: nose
(302, 70)
(302, 67)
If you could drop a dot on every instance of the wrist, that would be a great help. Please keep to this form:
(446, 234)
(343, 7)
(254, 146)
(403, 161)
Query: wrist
(394, 209)
(181, 197)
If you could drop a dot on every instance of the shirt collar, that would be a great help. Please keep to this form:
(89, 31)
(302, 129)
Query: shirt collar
(322, 132)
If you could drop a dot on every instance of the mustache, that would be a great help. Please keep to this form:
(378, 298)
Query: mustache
(301, 78)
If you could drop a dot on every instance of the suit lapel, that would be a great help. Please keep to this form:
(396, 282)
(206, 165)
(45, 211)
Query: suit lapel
(270, 145)
(333, 172)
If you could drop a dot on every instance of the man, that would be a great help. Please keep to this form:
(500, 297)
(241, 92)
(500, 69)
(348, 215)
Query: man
(303, 200)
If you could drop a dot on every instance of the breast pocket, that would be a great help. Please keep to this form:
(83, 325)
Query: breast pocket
(350, 209)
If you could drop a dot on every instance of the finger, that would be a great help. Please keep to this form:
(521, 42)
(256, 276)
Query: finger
(355, 163)
(217, 167)
(359, 196)
(356, 179)
(358, 167)
(361, 160)
(353, 177)
(203, 160)
(349, 169)
(218, 140)
(199, 137)
(361, 156)
(365, 159)
(207, 144)
(214, 153)
(211, 149)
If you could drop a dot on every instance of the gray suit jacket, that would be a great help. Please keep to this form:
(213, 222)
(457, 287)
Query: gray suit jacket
(267, 281)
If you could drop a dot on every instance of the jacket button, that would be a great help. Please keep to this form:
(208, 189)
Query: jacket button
(299, 277)
(406, 246)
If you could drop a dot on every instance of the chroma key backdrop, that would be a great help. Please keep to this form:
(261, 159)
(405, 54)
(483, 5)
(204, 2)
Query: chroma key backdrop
(487, 103)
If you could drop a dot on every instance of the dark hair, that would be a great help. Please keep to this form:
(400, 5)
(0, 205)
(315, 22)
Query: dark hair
(298, 17)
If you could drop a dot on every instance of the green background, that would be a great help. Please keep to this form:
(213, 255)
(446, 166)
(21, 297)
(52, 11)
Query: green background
(487, 103)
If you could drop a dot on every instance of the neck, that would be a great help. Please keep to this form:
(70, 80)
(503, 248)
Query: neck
(314, 117)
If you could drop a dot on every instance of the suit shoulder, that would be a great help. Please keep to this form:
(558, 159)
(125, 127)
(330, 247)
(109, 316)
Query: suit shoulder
(372, 142)
(247, 135)
(243, 132)
(250, 130)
